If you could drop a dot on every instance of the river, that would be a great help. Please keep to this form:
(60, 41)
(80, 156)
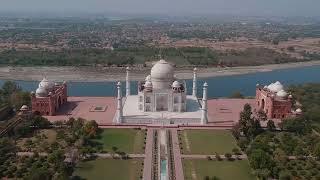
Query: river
(218, 86)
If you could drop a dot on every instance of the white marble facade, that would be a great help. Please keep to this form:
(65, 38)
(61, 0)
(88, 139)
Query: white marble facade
(161, 91)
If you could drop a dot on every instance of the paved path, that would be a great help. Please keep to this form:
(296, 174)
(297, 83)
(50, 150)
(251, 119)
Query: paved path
(200, 156)
(147, 174)
(101, 155)
(177, 155)
(108, 155)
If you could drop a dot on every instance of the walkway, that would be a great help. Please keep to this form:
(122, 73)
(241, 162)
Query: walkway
(101, 155)
(177, 155)
(147, 166)
(222, 156)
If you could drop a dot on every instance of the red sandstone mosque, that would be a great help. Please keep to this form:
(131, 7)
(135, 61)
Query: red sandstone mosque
(49, 97)
(275, 101)
(162, 99)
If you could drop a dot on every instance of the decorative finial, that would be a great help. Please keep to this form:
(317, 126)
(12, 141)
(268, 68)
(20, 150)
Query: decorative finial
(119, 83)
(205, 84)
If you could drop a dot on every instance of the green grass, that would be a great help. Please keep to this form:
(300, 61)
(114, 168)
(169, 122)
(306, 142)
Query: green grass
(224, 170)
(126, 140)
(109, 169)
(207, 141)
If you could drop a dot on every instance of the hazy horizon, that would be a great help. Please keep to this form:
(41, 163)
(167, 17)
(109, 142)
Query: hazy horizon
(167, 7)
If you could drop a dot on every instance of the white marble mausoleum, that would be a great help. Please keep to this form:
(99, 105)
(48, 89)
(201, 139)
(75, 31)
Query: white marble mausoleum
(162, 99)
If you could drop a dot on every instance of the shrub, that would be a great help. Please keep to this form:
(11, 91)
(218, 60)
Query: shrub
(236, 151)
(228, 156)
(218, 157)
(209, 158)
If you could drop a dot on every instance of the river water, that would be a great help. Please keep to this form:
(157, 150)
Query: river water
(218, 86)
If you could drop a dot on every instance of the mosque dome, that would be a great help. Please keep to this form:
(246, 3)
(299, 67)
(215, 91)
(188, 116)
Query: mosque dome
(275, 87)
(24, 108)
(46, 84)
(176, 84)
(298, 110)
(162, 75)
(41, 92)
(282, 93)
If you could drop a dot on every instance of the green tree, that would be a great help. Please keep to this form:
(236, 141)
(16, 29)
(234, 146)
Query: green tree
(259, 159)
(316, 151)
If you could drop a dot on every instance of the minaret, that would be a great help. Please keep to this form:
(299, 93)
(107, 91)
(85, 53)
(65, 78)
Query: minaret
(119, 113)
(194, 83)
(128, 82)
(204, 109)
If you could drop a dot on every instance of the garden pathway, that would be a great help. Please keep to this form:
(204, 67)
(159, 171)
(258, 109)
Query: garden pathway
(177, 155)
(147, 166)
(200, 156)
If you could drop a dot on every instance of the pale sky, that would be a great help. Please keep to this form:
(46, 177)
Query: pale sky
(233, 7)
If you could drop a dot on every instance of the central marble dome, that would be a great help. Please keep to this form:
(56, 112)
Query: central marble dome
(162, 75)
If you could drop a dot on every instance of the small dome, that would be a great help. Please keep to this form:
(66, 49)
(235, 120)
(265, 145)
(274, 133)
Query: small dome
(41, 92)
(275, 87)
(298, 110)
(46, 84)
(162, 70)
(148, 84)
(282, 93)
(24, 108)
(148, 78)
(176, 84)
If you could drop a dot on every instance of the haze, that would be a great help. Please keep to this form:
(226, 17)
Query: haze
(171, 7)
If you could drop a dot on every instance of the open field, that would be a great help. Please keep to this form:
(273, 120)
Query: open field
(206, 141)
(224, 170)
(125, 140)
(110, 169)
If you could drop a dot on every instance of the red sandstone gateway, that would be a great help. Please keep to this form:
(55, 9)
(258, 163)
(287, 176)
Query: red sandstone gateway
(49, 97)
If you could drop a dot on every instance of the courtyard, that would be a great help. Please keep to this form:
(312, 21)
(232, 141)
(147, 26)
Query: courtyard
(124, 140)
(206, 142)
(225, 170)
(113, 169)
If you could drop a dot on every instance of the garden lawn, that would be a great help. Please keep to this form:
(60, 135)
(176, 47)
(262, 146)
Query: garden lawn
(207, 141)
(125, 140)
(109, 169)
(224, 170)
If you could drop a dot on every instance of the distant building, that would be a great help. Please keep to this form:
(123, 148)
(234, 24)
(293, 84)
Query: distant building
(48, 98)
(274, 101)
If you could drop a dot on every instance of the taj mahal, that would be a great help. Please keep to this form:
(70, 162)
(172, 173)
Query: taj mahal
(161, 99)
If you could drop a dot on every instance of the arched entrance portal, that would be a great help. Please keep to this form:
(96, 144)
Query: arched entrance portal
(262, 104)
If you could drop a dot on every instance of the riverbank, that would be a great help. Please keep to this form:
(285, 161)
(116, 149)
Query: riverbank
(98, 74)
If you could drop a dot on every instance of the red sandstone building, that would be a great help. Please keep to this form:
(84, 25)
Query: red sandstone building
(274, 101)
(48, 98)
